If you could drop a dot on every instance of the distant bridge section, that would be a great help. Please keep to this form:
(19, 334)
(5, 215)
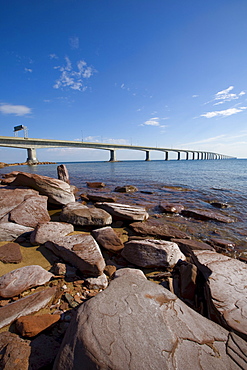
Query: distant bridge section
(32, 144)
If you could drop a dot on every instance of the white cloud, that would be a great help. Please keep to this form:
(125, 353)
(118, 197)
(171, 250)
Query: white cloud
(154, 121)
(195, 96)
(225, 96)
(17, 110)
(72, 79)
(74, 42)
(28, 70)
(53, 56)
(223, 113)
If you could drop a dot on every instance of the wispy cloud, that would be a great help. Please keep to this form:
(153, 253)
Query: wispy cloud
(223, 113)
(73, 79)
(53, 56)
(74, 42)
(225, 95)
(28, 70)
(17, 110)
(154, 121)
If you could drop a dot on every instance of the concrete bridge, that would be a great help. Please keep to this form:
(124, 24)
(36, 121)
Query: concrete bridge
(32, 144)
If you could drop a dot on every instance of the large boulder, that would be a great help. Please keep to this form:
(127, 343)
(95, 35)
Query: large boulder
(135, 324)
(25, 306)
(79, 214)
(152, 253)
(124, 211)
(14, 352)
(9, 231)
(57, 191)
(49, 231)
(11, 198)
(23, 278)
(31, 212)
(81, 251)
(157, 229)
(108, 239)
(10, 253)
(226, 289)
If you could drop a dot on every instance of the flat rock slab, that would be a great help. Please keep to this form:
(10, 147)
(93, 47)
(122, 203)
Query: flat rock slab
(96, 197)
(57, 191)
(152, 253)
(108, 239)
(188, 245)
(25, 306)
(10, 253)
(23, 278)
(206, 215)
(95, 185)
(79, 214)
(81, 251)
(31, 212)
(135, 324)
(29, 326)
(124, 211)
(50, 231)
(171, 207)
(158, 230)
(14, 352)
(226, 288)
(126, 189)
(11, 198)
(9, 231)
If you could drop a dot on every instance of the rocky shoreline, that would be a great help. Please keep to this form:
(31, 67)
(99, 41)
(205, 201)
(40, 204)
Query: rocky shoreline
(96, 281)
(3, 164)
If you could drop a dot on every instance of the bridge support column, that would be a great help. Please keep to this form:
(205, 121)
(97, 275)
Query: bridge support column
(187, 156)
(193, 156)
(166, 156)
(179, 154)
(147, 155)
(31, 156)
(113, 157)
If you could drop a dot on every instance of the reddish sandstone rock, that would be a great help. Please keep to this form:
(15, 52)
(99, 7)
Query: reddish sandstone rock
(157, 229)
(63, 173)
(50, 231)
(29, 326)
(124, 211)
(9, 231)
(14, 352)
(187, 246)
(57, 191)
(95, 185)
(126, 189)
(96, 197)
(31, 212)
(10, 253)
(108, 239)
(171, 207)
(206, 215)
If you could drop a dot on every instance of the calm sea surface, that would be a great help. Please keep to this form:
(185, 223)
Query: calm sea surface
(196, 184)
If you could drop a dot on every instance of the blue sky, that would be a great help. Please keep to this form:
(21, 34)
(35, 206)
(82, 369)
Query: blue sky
(166, 73)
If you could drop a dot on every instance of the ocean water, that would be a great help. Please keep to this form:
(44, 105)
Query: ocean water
(193, 183)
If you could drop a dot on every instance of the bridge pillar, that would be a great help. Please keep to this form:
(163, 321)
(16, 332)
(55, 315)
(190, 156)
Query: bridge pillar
(31, 156)
(147, 155)
(166, 156)
(193, 156)
(179, 154)
(113, 157)
(187, 156)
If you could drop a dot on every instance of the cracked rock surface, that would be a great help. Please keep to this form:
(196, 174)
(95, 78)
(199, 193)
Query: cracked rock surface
(136, 324)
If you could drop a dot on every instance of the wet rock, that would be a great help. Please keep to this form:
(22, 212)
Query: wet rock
(63, 269)
(187, 280)
(152, 253)
(100, 282)
(171, 207)
(79, 214)
(126, 189)
(11, 198)
(108, 239)
(32, 325)
(49, 231)
(95, 185)
(57, 191)
(137, 324)
(226, 289)
(31, 211)
(14, 352)
(157, 229)
(124, 211)
(25, 306)
(206, 215)
(81, 251)
(44, 349)
(23, 278)
(63, 173)
(96, 197)
(9, 231)
(222, 244)
(10, 253)
(219, 205)
(187, 246)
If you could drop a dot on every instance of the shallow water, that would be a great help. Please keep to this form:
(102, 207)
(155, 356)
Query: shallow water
(204, 181)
